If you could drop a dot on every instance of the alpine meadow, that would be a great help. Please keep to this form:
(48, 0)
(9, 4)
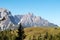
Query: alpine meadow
(29, 20)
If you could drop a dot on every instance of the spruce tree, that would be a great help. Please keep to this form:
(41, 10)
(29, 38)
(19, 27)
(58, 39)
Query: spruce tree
(21, 35)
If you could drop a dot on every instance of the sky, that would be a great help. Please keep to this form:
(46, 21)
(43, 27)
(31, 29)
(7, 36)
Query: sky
(47, 9)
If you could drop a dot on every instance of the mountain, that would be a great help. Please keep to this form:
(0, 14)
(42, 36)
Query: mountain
(6, 19)
(30, 20)
(17, 18)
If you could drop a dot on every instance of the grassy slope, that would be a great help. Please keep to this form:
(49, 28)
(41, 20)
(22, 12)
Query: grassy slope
(40, 30)
(36, 31)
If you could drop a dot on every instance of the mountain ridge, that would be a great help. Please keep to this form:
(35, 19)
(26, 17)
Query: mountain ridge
(7, 20)
(32, 20)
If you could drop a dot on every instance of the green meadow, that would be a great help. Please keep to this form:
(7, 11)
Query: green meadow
(33, 33)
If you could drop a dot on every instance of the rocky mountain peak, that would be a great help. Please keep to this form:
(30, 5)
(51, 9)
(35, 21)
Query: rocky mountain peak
(29, 14)
(30, 20)
(2, 9)
(6, 18)
(8, 21)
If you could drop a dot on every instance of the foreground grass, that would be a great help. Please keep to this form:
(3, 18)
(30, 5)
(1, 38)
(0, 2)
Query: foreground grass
(37, 31)
(33, 33)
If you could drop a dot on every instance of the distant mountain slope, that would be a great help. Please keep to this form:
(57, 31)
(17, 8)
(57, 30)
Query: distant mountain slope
(18, 18)
(30, 20)
(36, 31)
(6, 19)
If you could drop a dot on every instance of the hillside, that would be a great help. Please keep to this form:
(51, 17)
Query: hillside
(33, 33)
(29, 20)
(8, 21)
(40, 31)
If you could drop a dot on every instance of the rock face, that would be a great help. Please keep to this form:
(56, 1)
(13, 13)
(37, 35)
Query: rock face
(18, 18)
(6, 19)
(30, 20)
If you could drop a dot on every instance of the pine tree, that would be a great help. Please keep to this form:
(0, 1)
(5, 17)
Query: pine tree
(20, 33)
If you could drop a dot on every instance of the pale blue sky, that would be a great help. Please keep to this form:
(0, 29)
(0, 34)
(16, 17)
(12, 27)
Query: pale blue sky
(47, 9)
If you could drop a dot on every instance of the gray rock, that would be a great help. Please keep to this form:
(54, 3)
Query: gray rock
(6, 19)
(30, 20)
